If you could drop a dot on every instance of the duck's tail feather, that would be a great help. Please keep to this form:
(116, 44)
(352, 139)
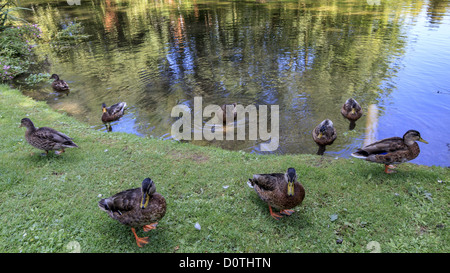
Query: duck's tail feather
(102, 205)
(360, 154)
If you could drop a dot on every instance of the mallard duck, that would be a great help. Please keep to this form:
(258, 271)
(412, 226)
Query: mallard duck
(112, 113)
(139, 207)
(58, 84)
(224, 109)
(394, 150)
(46, 138)
(324, 134)
(279, 190)
(352, 111)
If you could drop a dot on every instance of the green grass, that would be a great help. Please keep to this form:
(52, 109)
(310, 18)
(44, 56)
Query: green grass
(48, 202)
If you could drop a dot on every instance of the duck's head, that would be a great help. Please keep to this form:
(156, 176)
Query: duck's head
(104, 107)
(352, 104)
(291, 176)
(26, 122)
(324, 125)
(411, 136)
(148, 189)
(54, 76)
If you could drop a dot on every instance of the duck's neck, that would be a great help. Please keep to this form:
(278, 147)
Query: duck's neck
(409, 142)
(30, 130)
(414, 149)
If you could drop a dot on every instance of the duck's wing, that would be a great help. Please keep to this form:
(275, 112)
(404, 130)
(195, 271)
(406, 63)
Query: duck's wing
(117, 108)
(50, 134)
(123, 201)
(267, 182)
(387, 145)
(60, 84)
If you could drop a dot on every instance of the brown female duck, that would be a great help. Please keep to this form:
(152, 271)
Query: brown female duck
(279, 190)
(46, 138)
(139, 207)
(394, 150)
(352, 111)
(58, 84)
(112, 113)
(324, 134)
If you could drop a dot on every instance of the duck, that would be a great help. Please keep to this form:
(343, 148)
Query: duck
(136, 208)
(279, 190)
(224, 110)
(58, 84)
(45, 138)
(393, 150)
(112, 113)
(324, 134)
(352, 111)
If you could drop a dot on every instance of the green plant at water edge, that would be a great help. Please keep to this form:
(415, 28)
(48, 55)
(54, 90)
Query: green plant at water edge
(37, 78)
(6, 8)
(16, 49)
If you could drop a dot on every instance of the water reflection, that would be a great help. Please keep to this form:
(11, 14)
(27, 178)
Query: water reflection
(308, 57)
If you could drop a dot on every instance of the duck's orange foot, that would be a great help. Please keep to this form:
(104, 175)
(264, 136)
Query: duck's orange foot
(140, 241)
(287, 212)
(275, 216)
(150, 226)
(389, 168)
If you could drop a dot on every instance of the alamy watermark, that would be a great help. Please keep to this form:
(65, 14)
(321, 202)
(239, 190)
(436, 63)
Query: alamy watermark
(74, 2)
(216, 129)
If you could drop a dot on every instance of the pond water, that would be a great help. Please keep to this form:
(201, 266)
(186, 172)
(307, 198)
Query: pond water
(305, 56)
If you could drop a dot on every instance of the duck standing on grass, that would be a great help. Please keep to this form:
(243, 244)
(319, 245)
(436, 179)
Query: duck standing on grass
(58, 84)
(112, 113)
(394, 150)
(279, 190)
(136, 208)
(46, 138)
(324, 134)
(352, 111)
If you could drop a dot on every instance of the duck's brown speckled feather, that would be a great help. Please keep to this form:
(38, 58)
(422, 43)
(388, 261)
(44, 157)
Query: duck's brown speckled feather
(389, 151)
(346, 110)
(272, 189)
(328, 137)
(114, 112)
(47, 139)
(127, 210)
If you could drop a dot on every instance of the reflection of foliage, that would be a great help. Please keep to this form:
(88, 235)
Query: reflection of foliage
(16, 45)
(306, 55)
(57, 30)
(71, 32)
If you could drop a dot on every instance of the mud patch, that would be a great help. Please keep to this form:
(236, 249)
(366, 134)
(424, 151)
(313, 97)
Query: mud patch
(196, 157)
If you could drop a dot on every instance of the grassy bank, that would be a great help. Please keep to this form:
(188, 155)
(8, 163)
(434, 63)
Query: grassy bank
(49, 202)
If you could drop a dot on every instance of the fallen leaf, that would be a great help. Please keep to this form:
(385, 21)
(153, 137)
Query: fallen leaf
(374, 247)
(333, 217)
(197, 226)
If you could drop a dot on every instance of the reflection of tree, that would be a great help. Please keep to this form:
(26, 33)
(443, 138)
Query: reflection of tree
(306, 56)
(437, 9)
(110, 16)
